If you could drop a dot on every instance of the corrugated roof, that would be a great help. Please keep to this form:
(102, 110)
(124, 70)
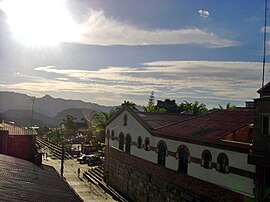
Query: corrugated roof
(21, 180)
(213, 125)
(16, 130)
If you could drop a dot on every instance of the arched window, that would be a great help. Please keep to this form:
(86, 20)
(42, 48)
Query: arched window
(206, 161)
(112, 135)
(139, 142)
(125, 120)
(128, 143)
(183, 155)
(223, 163)
(147, 144)
(121, 141)
(162, 150)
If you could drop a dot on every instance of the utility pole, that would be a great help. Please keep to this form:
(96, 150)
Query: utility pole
(264, 42)
(32, 113)
(62, 159)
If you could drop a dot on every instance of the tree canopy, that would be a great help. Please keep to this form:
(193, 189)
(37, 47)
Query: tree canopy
(99, 124)
(171, 106)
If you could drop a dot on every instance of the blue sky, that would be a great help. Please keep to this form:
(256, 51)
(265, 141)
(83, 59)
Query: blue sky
(110, 51)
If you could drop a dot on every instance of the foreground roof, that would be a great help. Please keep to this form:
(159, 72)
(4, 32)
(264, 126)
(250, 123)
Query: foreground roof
(209, 127)
(22, 180)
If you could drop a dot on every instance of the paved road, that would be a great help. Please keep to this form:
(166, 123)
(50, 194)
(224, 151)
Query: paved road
(87, 191)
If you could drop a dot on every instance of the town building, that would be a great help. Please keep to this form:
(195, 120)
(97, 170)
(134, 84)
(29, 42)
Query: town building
(17, 141)
(223, 155)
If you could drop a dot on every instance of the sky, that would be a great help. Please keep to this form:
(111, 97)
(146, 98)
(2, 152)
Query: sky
(106, 52)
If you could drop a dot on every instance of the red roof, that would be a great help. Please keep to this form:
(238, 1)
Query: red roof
(158, 119)
(211, 126)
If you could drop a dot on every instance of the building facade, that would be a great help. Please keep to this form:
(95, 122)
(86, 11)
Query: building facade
(17, 141)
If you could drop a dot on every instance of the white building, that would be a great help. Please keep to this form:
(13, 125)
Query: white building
(175, 157)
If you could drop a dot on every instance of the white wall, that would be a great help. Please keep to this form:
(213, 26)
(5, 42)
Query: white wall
(231, 181)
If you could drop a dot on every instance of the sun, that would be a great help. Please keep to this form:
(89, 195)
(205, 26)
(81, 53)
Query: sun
(40, 22)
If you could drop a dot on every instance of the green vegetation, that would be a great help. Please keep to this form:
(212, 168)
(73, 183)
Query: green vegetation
(172, 107)
(99, 124)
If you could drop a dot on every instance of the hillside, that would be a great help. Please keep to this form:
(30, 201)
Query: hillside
(46, 105)
(47, 110)
(77, 113)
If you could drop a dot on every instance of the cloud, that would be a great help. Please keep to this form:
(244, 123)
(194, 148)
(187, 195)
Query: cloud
(100, 30)
(210, 81)
(204, 13)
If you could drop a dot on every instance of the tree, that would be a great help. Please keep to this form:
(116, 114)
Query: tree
(197, 108)
(69, 125)
(168, 105)
(132, 105)
(56, 135)
(151, 100)
(227, 106)
(99, 124)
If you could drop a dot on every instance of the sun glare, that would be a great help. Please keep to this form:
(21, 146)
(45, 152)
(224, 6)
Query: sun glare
(40, 22)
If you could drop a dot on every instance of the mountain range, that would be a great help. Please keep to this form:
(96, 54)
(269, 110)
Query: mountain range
(49, 111)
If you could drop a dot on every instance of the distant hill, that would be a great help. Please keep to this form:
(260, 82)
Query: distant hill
(23, 117)
(47, 110)
(46, 105)
(77, 113)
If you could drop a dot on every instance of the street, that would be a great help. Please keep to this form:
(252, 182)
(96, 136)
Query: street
(87, 191)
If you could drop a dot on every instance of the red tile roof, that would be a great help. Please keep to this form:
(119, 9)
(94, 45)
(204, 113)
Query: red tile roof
(211, 126)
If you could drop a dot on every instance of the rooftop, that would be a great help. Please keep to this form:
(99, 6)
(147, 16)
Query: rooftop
(24, 181)
(158, 119)
(211, 126)
(16, 130)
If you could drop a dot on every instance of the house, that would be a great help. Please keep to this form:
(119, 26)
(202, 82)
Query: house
(217, 156)
(17, 141)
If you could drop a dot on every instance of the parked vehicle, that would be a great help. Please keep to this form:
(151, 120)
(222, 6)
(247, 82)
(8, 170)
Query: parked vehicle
(94, 160)
(84, 159)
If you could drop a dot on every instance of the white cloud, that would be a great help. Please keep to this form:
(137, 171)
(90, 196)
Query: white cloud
(211, 82)
(204, 13)
(100, 30)
(175, 79)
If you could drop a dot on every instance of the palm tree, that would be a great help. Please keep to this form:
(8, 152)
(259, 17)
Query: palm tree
(132, 105)
(99, 123)
(197, 108)
(227, 106)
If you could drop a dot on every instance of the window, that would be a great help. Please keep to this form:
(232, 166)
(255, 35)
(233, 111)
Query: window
(112, 135)
(121, 141)
(206, 161)
(183, 160)
(223, 163)
(147, 144)
(128, 143)
(162, 149)
(265, 125)
(139, 142)
(125, 120)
